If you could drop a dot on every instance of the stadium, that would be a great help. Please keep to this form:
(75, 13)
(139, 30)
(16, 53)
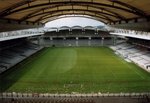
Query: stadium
(74, 64)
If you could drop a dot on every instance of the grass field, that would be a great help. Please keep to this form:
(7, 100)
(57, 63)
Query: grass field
(76, 69)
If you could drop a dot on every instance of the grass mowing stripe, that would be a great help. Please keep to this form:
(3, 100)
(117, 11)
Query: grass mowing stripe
(77, 69)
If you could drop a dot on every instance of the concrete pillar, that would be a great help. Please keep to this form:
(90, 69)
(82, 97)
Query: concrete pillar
(114, 40)
(39, 40)
(89, 41)
(51, 38)
(64, 41)
(102, 42)
(77, 43)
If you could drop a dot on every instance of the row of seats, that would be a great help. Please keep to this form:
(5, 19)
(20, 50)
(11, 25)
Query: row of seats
(80, 34)
(74, 42)
(134, 54)
(144, 43)
(13, 55)
(57, 100)
(114, 99)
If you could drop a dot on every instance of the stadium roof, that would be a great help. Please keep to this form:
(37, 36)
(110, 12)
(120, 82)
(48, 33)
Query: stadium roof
(42, 11)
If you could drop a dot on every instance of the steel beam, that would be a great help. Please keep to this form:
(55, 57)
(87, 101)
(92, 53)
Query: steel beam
(56, 11)
(55, 6)
(75, 2)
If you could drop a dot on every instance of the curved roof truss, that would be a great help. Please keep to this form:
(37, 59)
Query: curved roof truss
(56, 9)
(83, 5)
(109, 10)
(47, 15)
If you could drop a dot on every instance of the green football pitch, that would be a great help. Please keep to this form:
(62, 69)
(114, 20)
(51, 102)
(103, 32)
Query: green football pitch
(75, 69)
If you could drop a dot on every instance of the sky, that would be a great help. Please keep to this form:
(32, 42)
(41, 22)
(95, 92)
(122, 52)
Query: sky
(72, 21)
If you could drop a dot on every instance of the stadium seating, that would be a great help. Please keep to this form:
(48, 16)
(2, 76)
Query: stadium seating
(77, 33)
(106, 98)
(74, 42)
(57, 100)
(11, 55)
(134, 54)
